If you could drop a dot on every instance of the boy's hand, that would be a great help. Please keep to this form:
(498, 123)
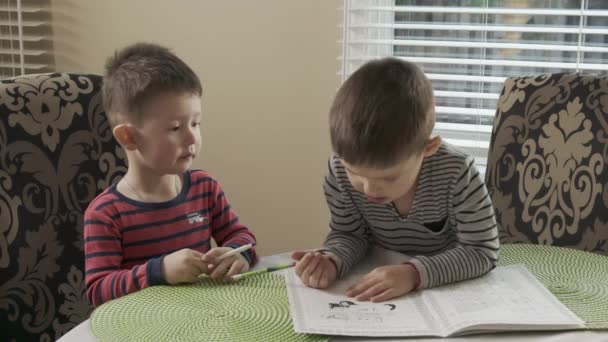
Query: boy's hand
(183, 266)
(384, 283)
(226, 268)
(314, 268)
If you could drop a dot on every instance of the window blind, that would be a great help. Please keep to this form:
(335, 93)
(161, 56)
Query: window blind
(468, 48)
(25, 45)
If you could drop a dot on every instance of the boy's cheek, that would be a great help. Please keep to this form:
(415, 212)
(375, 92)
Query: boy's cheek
(355, 183)
(357, 186)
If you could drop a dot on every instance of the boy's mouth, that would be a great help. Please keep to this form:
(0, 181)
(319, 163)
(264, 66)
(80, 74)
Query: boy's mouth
(187, 155)
(376, 199)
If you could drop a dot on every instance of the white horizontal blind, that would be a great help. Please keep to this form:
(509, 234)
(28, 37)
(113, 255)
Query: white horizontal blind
(25, 44)
(468, 47)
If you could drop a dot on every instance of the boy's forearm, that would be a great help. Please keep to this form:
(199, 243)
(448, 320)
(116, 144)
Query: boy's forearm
(347, 239)
(454, 265)
(107, 285)
(346, 249)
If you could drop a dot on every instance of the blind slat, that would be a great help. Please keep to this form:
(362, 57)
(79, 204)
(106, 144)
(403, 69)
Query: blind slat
(491, 62)
(466, 78)
(24, 23)
(26, 65)
(461, 110)
(27, 52)
(485, 45)
(489, 28)
(449, 126)
(482, 10)
(27, 38)
(468, 143)
(464, 94)
(24, 9)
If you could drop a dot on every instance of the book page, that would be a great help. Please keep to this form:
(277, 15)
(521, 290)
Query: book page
(331, 312)
(507, 298)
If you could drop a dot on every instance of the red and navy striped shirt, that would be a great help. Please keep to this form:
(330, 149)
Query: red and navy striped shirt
(125, 240)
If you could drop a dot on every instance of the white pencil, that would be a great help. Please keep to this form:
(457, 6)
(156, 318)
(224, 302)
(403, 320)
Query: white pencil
(235, 251)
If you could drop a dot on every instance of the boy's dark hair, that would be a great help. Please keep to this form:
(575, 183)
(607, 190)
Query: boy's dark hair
(140, 71)
(382, 113)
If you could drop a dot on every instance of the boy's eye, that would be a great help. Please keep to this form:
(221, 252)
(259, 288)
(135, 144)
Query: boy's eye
(390, 178)
(175, 129)
(194, 124)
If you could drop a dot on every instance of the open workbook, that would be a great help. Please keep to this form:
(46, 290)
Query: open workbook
(509, 298)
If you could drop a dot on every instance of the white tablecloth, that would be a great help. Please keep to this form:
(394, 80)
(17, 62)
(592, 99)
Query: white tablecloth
(82, 333)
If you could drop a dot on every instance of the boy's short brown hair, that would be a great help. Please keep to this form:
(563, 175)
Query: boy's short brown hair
(384, 112)
(140, 71)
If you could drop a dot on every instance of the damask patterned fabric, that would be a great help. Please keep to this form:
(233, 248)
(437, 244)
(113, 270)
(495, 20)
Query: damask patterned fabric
(547, 161)
(56, 154)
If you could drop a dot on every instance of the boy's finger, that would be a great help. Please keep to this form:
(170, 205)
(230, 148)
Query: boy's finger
(197, 265)
(235, 269)
(360, 286)
(220, 269)
(386, 295)
(316, 276)
(313, 267)
(328, 263)
(302, 264)
(372, 291)
(194, 274)
(212, 255)
(196, 254)
(324, 280)
(310, 269)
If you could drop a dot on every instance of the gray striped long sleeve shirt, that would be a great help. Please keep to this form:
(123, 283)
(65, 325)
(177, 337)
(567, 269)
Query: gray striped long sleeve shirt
(450, 230)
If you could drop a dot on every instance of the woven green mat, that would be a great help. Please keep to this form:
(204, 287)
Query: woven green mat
(257, 308)
(252, 309)
(578, 279)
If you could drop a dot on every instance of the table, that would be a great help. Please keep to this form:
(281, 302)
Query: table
(82, 332)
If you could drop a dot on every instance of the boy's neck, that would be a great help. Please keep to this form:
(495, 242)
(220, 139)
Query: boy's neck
(150, 187)
(404, 203)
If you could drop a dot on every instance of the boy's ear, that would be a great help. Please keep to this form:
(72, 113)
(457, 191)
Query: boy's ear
(432, 145)
(125, 135)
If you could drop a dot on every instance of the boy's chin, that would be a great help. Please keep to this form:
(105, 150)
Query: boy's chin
(181, 168)
(184, 163)
(379, 200)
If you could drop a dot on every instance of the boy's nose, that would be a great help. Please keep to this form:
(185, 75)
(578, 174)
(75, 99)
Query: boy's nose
(190, 138)
(370, 188)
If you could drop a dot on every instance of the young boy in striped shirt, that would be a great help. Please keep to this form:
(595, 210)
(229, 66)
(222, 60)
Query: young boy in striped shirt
(156, 224)
(392, 184)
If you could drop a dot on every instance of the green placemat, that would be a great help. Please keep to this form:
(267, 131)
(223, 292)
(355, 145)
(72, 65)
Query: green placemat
(252, 309)
(578, 279)
(257, 308)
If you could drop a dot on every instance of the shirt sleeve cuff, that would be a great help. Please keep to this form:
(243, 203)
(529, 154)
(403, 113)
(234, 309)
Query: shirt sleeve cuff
(335, 259)
(248, 254)
(423, 278)
(417, 281)
(154, 272)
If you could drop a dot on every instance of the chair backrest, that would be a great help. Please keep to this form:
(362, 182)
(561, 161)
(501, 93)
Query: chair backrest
(56, 154)
(547, 161)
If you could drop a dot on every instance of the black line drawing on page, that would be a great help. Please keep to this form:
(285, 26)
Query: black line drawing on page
(348, 311)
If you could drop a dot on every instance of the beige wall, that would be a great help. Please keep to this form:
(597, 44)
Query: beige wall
(269, 71)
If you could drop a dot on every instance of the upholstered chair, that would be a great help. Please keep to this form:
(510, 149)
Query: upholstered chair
(56, 154)
(547, 164)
